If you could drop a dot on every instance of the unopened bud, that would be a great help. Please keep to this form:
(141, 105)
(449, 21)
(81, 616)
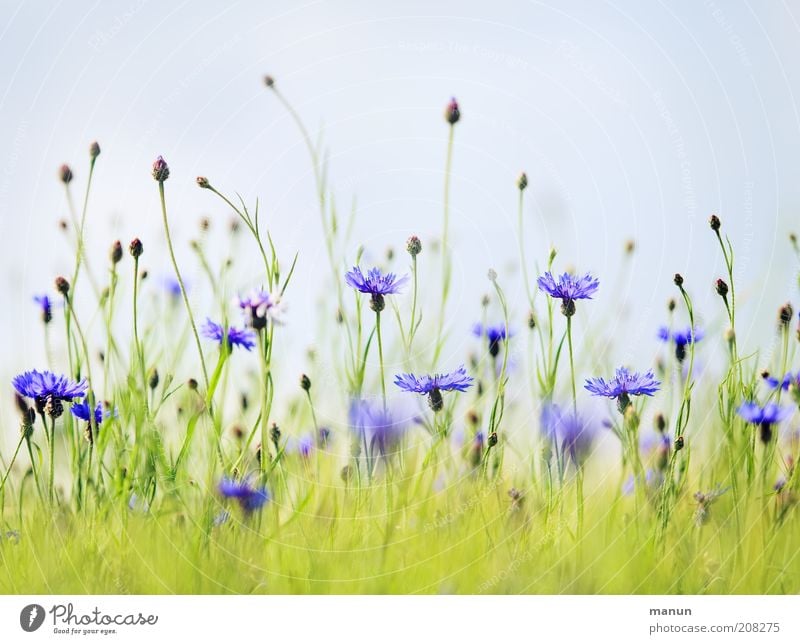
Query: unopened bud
(414, 246)
(452, 114)
(136, 249)
(714, 222)
(160, 170)
(116, 252)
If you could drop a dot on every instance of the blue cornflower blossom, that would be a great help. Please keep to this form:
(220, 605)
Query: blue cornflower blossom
(381, 428)
(81, 411)
(173, 287)
(681, 338)
(765, 417)
(48, 390)
(568, 288)
(571, 433)
(260, 306)
(46, 306)
(495, 334)
(623, 385)
(433, 386)
(375, 284)
(236, 337)
(787, 380)
(249, 497)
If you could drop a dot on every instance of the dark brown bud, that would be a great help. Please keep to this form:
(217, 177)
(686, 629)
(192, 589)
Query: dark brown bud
(305, 383)
(192, 384)
(660, 423)
(531, 320)
(136, 249)
(94, 150)
(785, 314)
(492, 439)
(678, 279)
(671, 304)
(722, 288)
(203, 182)
(153, 378)
(275, 434)
(65, 174)
(269, 81)
(679, 443)
(62, 285)
(715, 223)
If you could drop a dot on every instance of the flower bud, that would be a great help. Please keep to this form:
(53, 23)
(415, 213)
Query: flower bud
(678, 279)
(94, 150)
(160, 170)
(722, 288)
(153, 378)
(136, 249)
(785, 314)
(715, 223)
(116, 252)
(65, 174)
(269, 81)
(451, 113)
(203, 182)
(62, 285)
(522, 181)
(414, 246)
(305, 383)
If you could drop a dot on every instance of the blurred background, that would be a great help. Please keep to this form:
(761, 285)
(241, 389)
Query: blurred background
(633, 121)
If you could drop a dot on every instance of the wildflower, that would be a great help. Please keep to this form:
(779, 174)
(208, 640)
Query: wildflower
(681, 338)
(765, 417)
(785, 315)
(62, 286)
(714, 223)
(236, 337)
(495, 334)
(433, 386)
(522, 181)
(379, 426)
(260, 306)
(375, 284)
(173, 287)
(46, 305)
(249, 497)
(48, 390)
(452, 113)
(721, 286)
(568, 288)
(305, 383)
(571, 434)
(81, 411)
(787, 380)
(623, 385)
(160, 170)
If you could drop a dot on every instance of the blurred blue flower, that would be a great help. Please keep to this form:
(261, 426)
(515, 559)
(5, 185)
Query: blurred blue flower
(381, 427)
(236, 337)
(81, 411)
(571, 433)
(249, 497)
(46, 306)
(494, 334)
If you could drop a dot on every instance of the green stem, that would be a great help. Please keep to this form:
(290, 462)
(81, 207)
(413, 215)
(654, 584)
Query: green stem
(445, 249)
(180, 282)
(572, 365)
(380, 355)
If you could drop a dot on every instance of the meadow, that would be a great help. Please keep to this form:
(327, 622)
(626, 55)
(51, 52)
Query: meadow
(151, 454)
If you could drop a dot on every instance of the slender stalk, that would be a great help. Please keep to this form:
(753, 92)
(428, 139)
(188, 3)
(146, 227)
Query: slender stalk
(572, 365)
(136, 340)
(380, 355)
(446, 267)
(180, 282)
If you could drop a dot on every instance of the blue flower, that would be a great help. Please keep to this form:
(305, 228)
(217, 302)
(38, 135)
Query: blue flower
(432, 386)
(568, 288)
(46, 305)
(681, 338)
(375, 284)
(260, 306)
(81, 411)
(48, 390)
(249, 497)
(788, 379)
(380, 427)
(236, 337)
(623, 385)
(571, 433)
(495, 334)
(173, 287)
(765, 417)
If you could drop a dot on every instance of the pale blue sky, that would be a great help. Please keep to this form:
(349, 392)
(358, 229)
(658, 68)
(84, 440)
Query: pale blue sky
(632, 119)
